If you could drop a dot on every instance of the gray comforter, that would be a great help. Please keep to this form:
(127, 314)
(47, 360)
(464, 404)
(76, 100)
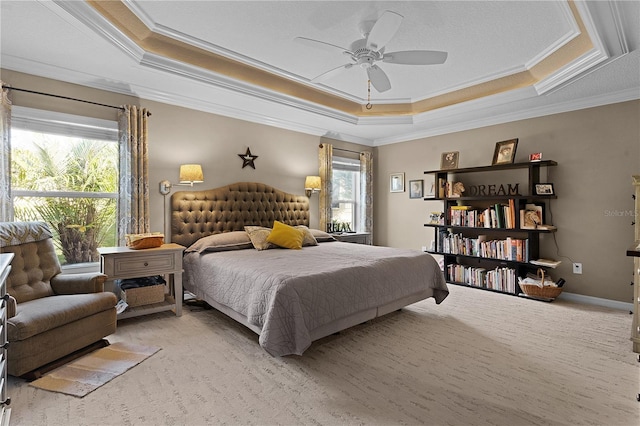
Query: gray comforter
(288, 293)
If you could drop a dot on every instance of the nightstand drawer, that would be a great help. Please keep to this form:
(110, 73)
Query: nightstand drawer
(142, 265)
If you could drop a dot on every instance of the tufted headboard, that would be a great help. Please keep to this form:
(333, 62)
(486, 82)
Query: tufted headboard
(197, 214)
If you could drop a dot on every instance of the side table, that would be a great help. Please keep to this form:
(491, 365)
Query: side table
(353, 237)
(123, 262)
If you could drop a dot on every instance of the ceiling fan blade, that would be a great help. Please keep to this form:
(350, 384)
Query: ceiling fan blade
(378, 78)
(416, 57)
(322, 45)
(332, 72)
(383, 30)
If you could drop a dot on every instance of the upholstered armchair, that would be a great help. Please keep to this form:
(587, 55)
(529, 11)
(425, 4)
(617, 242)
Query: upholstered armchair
(49, 314)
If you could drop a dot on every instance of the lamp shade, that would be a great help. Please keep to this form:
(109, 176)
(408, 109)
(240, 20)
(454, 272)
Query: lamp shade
(312, 183)
(191, 173)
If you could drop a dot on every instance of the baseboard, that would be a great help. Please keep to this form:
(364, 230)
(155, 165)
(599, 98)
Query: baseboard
(589, 300)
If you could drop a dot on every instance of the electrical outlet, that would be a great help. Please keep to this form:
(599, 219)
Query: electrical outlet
(577, 268)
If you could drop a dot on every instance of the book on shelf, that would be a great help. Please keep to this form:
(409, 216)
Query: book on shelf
(546, 227)
(513, 249)
(546, 262)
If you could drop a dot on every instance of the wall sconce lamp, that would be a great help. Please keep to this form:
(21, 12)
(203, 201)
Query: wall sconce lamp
(311, 185)
(189, 174)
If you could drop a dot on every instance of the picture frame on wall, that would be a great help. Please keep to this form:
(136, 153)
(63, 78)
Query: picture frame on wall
(396, 182)
(416, 188)
(449, 160)
(505, 152)
(544, 189)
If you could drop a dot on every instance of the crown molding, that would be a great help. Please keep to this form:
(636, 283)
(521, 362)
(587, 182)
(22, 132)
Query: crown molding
(96, 22)
(491, 119)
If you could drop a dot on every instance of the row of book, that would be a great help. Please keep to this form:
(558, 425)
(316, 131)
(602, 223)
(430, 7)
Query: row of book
(508, 249)
(501, 279)
(496, 216)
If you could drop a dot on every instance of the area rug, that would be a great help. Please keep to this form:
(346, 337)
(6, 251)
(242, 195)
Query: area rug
(86, 374)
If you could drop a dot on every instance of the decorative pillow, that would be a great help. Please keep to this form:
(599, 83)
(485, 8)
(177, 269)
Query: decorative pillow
(258, 236)
(286, 236)
(235, 240)
(308, 238)
(321, 236)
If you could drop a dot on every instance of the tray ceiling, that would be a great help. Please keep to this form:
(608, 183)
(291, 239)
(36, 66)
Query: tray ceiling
(506, 60)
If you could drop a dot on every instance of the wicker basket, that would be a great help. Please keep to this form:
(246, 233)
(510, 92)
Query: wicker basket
(144, 241)
(544, 292)
(146, 295)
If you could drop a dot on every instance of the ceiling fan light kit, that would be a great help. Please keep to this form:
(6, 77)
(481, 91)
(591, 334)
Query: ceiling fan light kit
(367, 51)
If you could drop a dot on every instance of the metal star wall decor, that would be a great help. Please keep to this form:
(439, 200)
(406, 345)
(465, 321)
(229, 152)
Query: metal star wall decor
(247, 159)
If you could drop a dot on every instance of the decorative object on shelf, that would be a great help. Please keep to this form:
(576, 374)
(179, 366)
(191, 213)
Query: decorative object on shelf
(505, 152)
(544, 189)
(311, 185)
(530, 219)
(449, 160)
(416, 188)
(436, 218)
(457, 189)
(189, 174)
(536, 156)
(396, 182)
(248, 159)
(430, 187)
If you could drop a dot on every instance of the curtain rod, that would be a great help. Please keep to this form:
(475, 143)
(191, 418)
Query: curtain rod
(65, 97)
(345, 150)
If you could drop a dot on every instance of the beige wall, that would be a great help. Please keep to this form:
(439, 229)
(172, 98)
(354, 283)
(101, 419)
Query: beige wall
(180, 135)
(597, 151)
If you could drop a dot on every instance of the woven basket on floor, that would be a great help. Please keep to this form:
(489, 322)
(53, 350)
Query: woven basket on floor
(546, 291)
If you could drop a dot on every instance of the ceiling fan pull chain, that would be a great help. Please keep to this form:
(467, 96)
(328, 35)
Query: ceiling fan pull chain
(368, 105)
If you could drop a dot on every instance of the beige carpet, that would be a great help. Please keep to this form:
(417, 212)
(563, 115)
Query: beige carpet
(86, 374)
(479, 358)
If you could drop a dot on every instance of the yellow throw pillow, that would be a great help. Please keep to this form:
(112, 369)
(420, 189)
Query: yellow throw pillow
(285, 236)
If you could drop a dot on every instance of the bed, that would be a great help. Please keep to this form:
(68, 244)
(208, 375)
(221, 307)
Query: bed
(289, 297)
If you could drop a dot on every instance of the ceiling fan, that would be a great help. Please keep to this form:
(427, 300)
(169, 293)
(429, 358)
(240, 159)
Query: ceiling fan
(370, 49)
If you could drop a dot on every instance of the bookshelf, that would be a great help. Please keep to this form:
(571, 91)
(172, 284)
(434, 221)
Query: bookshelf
(488, 239)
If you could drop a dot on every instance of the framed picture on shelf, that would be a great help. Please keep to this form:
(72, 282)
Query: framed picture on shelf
(505, 152)
(396, 182)
(536, 156)
(430, 186)
(416, 188)
(544, 189)
(449, 160)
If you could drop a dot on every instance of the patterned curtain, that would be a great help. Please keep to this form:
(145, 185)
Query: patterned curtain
(325, 157)
(366, 193)
(6, 206)
(133, 191)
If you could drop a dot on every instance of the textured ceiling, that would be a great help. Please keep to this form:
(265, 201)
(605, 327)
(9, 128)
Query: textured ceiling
(507, 59)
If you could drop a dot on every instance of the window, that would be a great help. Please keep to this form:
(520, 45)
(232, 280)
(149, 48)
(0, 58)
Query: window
(345, 202)
(64, 171)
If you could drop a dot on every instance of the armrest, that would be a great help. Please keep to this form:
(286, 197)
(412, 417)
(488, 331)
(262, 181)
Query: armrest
(91, 282)
(11, 305)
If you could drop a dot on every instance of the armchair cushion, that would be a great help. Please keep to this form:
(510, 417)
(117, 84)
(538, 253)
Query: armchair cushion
(33, 266)
(91, 282)
(44, 314)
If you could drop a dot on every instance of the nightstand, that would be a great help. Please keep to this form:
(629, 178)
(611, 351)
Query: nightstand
(123, 262)
(354, 237)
